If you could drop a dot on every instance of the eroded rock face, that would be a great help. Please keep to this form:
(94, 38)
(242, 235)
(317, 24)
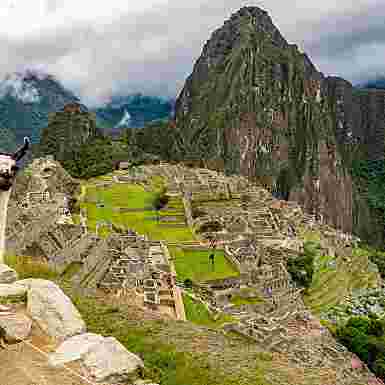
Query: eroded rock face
(259, 105)
(52, 309)
(7, 274)
(14, 327)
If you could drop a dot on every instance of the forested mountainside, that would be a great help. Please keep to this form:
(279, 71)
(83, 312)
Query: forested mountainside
(27, 99)
(260, 106)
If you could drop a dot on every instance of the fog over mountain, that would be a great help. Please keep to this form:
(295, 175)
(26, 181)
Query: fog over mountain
(100, 49)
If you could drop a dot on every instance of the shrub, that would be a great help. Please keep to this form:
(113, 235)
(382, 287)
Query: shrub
(364, 336)
(301, 269)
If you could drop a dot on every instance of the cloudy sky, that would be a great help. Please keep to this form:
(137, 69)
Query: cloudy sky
(123, 46)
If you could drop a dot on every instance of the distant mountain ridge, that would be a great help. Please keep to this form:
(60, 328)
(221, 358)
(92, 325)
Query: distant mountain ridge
(132, 111)
(377, 83)
(27, 98)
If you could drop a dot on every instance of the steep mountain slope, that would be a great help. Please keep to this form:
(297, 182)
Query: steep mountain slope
(259, 105)
(26, 99)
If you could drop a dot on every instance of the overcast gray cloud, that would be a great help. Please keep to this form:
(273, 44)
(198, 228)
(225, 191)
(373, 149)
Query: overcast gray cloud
(121, 46)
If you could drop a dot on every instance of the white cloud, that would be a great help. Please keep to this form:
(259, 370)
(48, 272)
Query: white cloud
(100, 48)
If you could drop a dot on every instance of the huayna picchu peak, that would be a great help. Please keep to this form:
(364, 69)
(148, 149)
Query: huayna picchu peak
(259, 106)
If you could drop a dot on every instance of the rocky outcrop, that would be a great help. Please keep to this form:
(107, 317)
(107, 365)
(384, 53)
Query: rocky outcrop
(14, 327)
(73, 348)
(38, 200)
(52, 309)
(257, 104)
(111, 361)
(12, 292)
(7, 275)
(106, 358)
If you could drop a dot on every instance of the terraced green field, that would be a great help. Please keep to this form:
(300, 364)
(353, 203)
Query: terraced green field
(169, 227)
(144, 221)
(331, 284)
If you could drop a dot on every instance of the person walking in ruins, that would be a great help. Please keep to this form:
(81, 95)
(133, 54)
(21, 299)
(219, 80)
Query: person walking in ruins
(211, 259)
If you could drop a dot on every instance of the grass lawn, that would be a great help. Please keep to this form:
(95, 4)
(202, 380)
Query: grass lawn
(132, 196)
(195, 265)
(197, 312)
(248, 296)
(238, 301)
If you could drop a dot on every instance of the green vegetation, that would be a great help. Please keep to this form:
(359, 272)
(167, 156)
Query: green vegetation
(157, 138)
(164, 363)
(301, 268)
(370, 177)
(195, 264)
(373, 172)
(28, 268)
(134, 196)
(71, 270)
(334, 278)
(378, 258)
(198, 313)
(246, 296)
(97, 156)
(365, 336)
(191, 264)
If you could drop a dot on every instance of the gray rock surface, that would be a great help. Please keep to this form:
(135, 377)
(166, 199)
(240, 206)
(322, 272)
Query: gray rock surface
(12, 291)
(105, 357)
(14, 327)
(111, 361)
(52, 309)
(73, 348)
(7, 275)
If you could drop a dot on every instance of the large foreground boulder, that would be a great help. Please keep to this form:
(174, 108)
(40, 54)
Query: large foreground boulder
(106, 359)
(111, 361)
(52, 309)
(7, 275)
(14, 327)
(73, 348)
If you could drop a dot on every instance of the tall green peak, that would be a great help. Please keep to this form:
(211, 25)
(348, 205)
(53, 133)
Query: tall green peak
(259, 106)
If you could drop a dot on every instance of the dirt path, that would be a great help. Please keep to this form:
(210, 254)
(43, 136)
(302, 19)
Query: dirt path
(22, 365)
